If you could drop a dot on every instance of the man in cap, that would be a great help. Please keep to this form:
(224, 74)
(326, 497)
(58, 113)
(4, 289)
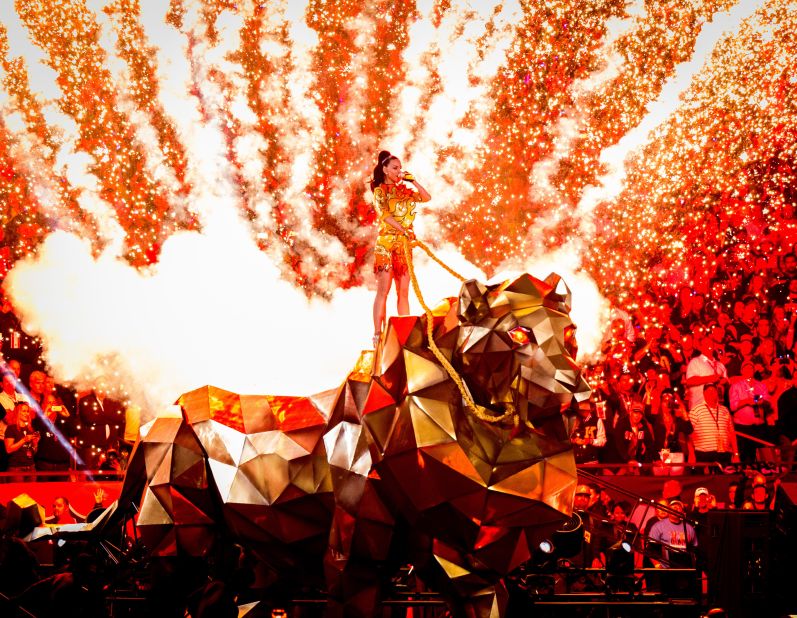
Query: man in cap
(581, 506)
(676, 536)
(702, 504)
(581, 501)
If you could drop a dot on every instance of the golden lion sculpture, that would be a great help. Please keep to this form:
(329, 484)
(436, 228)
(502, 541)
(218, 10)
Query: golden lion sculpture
(390, 468)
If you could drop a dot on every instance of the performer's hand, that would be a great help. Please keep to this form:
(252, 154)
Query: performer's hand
(410, 235)
(409, 177)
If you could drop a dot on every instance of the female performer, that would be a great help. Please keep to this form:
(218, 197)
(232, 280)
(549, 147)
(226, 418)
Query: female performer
(395, 203)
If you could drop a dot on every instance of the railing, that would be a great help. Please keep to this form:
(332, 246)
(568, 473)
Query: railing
(72, 476)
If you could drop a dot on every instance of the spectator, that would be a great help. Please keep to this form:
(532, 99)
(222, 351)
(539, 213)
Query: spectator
(780, 328)
(701, 370)
(588, 435)
(756, 288)
(10, 328)
(9, 396)
(581, 499)
(62, 512)
(787, 422)
(788, 272)
(623, 528)
(596, 505)
(653, 385)
(650, 355)
(703, 502)
(731, 498)
(745, 323)
(581, 506)
(676, 536)
(760, 500)
(21, 442)
(763, 330)
(765, 357)
(718, 336)
(620, 529)
(56, 427)
(743, 353)
(746, 396)
(682, 309)
(101, 424)
(618, 403)
(15, 367)
(65, 395)
(658, 515)
(713, 435)
(617, 343)
(36, 385)
(672, 431)
(633, 437)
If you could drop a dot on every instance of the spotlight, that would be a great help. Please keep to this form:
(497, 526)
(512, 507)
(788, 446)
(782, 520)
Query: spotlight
(620, 570)
(568, 539)
(546, 547)
(620, 560)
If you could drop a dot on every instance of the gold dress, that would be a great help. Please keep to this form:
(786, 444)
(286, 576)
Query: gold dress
(397, 201)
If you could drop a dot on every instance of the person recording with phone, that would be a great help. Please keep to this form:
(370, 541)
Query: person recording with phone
(395, 204)
(56, 426)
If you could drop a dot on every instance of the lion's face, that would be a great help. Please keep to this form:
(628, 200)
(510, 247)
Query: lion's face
(517, 346)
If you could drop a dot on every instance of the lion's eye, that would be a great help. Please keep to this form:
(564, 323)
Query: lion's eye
(520, 335)
(570, 340)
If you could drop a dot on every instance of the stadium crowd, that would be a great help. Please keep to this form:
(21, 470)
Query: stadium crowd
(47, 427)
(705, 375)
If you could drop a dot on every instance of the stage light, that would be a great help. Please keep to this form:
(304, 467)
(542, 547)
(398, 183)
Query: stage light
(546, 546)
(620, 570)
(620, 560)
(568, 539)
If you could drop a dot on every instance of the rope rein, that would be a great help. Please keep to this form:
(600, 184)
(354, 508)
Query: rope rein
(479, 411)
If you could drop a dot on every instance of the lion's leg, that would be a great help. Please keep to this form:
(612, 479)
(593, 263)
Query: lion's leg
(362, 526)
(470, 594)
(354, 565)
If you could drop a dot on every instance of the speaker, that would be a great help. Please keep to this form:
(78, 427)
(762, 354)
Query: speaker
(784, 545)
(738, 559)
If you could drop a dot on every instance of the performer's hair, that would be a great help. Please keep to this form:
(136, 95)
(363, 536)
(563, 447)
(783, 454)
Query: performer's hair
(379, 174)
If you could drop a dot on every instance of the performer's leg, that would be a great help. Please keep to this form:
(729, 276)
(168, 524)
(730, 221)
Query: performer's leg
(403, 294)
(384, 279)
